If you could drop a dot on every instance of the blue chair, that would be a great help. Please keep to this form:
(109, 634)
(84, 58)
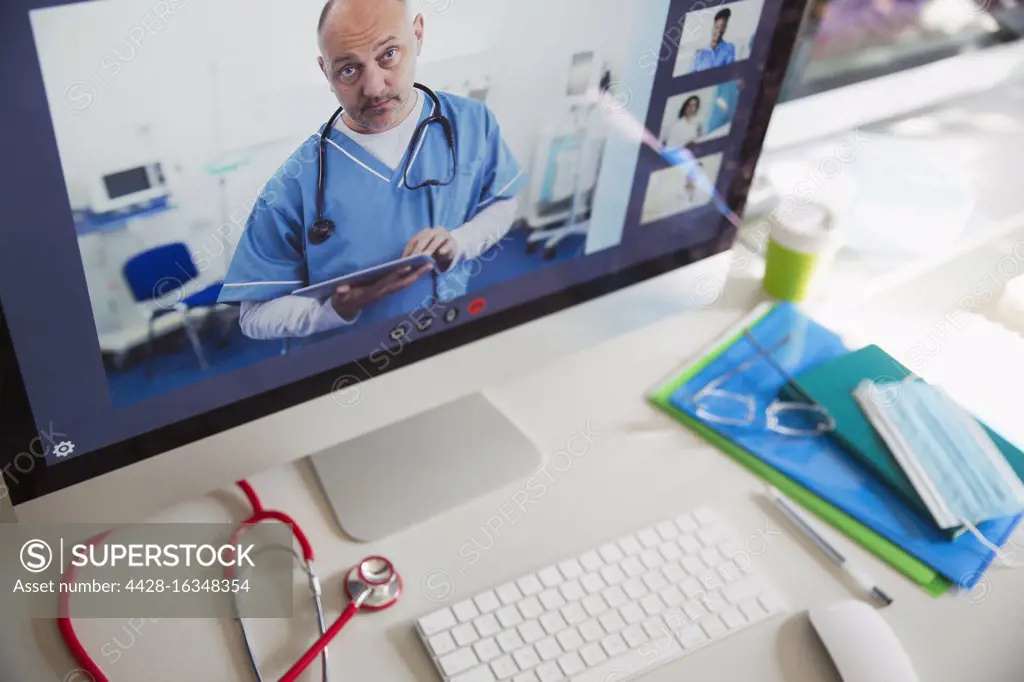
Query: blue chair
(160, 275)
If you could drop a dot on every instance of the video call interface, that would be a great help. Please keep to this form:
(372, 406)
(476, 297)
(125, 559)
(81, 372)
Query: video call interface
(186, 265)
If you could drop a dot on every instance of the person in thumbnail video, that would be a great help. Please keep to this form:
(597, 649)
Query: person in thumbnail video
(719, 52)
(688, 129)
(406, 172)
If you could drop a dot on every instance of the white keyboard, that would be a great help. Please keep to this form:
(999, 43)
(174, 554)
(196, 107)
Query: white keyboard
(611, 613)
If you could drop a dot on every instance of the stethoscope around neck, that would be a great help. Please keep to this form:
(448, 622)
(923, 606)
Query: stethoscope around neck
(322, 229)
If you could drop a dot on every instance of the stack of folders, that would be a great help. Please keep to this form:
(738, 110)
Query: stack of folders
(876, 452)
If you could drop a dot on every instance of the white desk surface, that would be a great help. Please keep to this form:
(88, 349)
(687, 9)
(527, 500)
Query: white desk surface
(641, 468)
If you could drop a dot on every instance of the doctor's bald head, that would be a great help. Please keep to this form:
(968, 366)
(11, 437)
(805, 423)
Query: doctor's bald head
(368, 52)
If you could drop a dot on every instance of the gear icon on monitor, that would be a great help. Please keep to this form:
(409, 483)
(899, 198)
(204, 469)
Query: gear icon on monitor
(64, 448)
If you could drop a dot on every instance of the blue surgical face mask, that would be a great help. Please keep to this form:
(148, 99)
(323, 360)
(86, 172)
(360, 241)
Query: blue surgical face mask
(960, 474)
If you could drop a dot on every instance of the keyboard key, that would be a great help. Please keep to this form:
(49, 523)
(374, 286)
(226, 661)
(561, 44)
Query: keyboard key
(772, 602)
(595, 604)
(571, 664)
(548, 648)
(674, 573)
(465, 611)
(610, 553)
(591, 630)
(531, 631)
(437, 621)
(634, 635)
(711, 557)
(752, 609)
(615, 596)
(480, 674)
(671, 552)
(509, 594)
(591, 561)
(634, 588)
(655, 581)
(711, 536)
(572, 591)
(633, 567)
(442, 644)
(526, 677)
(569, 640)
(672, 596)
(649, 538)
(549, 672)
(713, 626)
(509, 640)
(686, 523)
(457, 661)
(530, 608)
(691, 636)
(689, 544)
(693, 565)
(691, 588)
(487, 602)
(592, 583)
(655, 628)
(651, 558)
(465, 634)
(694, 610)
(552, 599)
(550, 576)
(509, 616)
(526, 658)
(614, 645)
(487, 649)
(652, 604)
(592, 654)
(487, 625)
(740, 590)
(571, 569)
(504, 668)
(729, 572)
(667, 530)
(574, 613)
(611, 621)
(732, 618)
(632, 613)
(705, 516)
(630, 545)
(530, 585)
(629, 664)
(612, 575)
(552, 622)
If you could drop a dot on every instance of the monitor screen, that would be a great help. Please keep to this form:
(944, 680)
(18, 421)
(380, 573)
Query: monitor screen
(126, 182)
(478, 133)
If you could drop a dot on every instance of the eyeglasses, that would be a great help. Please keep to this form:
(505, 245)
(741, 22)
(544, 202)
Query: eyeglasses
(719, 406)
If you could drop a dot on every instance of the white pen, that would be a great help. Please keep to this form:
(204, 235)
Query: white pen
(804, 524)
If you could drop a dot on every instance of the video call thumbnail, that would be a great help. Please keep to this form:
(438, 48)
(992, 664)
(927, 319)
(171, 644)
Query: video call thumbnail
(718, 36)
(677, 189)
(701, 115)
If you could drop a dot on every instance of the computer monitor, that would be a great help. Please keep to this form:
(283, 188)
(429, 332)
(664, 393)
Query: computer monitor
(160, 353)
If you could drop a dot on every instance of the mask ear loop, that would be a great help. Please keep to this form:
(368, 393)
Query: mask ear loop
(1006, 559)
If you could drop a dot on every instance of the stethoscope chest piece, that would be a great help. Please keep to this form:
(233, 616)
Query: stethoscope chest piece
(321, 231)
(373, 584)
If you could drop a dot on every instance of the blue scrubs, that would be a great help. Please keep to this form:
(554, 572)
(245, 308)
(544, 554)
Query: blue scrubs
(708, 58)
(729, 95)
(374, 213)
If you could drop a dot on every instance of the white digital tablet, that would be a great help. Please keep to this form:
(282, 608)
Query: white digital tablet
(323, 290)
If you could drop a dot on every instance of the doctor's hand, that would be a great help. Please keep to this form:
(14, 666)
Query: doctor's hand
(349, 300)
(436, 242)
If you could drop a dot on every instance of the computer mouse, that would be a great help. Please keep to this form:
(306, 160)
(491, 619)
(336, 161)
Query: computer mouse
(862, 645)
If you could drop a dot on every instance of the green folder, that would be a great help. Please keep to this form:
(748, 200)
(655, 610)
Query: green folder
(831, 385)
(920, 573)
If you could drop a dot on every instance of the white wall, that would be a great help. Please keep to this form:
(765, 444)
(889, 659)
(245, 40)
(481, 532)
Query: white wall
(697, 31)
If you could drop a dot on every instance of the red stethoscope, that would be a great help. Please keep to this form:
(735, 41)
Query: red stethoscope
(371, 585)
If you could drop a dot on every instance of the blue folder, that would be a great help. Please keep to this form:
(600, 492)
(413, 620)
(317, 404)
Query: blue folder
(821, 465)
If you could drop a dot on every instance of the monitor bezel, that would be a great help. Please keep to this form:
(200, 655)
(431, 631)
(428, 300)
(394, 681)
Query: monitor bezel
(18, 426)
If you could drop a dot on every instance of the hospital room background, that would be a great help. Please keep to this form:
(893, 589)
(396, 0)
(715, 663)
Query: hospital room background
(169, 126)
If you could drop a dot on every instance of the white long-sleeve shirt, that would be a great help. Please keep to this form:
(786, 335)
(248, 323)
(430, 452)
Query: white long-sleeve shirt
(294, 316)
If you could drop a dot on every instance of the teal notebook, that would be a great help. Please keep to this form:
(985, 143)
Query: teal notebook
(831, 384)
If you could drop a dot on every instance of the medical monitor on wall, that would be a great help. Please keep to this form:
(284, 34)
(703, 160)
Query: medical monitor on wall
(494, 140)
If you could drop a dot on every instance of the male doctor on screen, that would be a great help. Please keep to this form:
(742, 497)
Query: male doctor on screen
(368, 52)
(720, 52)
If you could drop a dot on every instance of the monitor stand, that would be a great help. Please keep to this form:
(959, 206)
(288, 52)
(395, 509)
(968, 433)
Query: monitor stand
(413, 470)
